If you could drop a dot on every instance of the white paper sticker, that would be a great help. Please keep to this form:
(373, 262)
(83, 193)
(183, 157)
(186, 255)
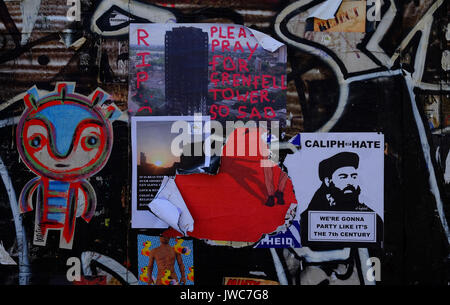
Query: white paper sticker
(339, 175)
(338, 226)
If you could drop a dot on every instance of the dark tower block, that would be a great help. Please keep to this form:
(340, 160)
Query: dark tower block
(186, 65)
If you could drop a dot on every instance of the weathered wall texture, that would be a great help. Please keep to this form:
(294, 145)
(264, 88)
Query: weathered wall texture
(392, 79)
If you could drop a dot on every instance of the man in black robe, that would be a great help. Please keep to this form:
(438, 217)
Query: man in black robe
(339, 191)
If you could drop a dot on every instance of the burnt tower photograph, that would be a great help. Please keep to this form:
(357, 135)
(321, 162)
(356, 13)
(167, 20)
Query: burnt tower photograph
(186, 69)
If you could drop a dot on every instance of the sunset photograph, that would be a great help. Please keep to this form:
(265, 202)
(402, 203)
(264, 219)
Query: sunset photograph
(154, 156)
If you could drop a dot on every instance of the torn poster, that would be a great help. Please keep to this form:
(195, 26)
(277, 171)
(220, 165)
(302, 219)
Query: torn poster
(168, 205)
(232, 244)
(235, 204)
(5, 258)
(228, 72)
(159, 150)
(165, 261)
(286, 235)
(290, 238)
(326, 10)
(339, 179)
(351, 17)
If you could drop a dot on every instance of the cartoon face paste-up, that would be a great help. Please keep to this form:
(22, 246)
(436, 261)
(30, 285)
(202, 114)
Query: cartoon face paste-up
(64, 138)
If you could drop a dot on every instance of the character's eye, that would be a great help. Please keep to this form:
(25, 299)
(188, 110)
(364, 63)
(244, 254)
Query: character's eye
(37, 141)
(90, 142)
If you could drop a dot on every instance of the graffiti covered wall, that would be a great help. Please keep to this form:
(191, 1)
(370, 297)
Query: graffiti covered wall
(65, 142)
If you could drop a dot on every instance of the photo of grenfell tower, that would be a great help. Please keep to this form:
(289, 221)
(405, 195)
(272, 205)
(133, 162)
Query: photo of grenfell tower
(186, 70)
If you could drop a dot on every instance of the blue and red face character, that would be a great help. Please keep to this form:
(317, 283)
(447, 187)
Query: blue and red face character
(64, 138)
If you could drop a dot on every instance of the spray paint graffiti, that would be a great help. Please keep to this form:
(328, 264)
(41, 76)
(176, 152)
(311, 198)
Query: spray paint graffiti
(63, 138)
(92, 260)
(36, 43)
(346, 79)
(380, 63)
(111, 18)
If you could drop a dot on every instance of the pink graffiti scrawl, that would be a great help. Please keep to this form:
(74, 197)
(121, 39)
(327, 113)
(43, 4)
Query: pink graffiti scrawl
(64, 138)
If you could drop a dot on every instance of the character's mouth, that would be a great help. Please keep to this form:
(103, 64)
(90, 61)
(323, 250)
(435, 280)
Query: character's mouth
(349, 190)
(62, 165)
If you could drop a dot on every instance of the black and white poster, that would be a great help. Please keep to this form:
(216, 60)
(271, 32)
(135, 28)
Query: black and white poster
(338, 181)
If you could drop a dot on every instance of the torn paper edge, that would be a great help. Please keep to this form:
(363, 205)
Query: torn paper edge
(228, 243)
(289, 218)
(5, 258)
(169, 206)
(29, 10)
(326, 10)
(267, 42)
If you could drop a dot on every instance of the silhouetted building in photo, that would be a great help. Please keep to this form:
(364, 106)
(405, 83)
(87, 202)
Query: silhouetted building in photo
(189, 160)
(143, 159)
(186, 68)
